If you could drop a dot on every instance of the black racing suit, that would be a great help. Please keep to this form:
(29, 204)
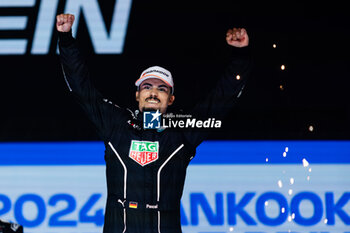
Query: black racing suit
(7, 227)
(145, 169)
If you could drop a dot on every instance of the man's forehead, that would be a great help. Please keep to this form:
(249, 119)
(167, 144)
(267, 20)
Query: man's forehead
(154, 82)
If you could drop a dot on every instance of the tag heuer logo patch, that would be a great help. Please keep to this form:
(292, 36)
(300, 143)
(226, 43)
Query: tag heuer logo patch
(144, 152)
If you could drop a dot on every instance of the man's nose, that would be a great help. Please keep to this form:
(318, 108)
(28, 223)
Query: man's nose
(154, 92)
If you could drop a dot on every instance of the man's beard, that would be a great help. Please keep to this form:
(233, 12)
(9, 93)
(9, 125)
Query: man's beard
(144, 109)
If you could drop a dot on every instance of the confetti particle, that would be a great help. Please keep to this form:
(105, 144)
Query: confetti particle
(325, 221)
(231, 228)
(289, 218)
(283, 67)
(290, 191)
(274, 46)
(280, 183)
(310, 169)
(308, 177)
(291, 180)
(281, 87)
(293, 215)
(287, 149)
(305, 163)
(238, 77)
(284, 154)
(311, 128)
(283, 210)
(267, 159)
(266, 203)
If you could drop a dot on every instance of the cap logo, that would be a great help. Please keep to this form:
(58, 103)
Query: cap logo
(158, 71)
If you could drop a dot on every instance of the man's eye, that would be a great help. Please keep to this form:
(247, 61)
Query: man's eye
(162, 89)
(146, 87)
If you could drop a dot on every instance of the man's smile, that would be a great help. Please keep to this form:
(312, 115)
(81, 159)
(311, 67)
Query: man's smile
(152, 100)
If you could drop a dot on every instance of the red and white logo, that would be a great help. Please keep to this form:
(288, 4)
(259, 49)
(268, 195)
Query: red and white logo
(144, 152)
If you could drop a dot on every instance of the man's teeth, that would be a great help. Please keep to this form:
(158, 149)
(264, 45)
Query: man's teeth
(152, 101)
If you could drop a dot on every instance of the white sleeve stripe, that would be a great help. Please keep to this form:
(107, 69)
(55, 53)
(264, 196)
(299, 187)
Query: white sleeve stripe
(125, 179)
(65, 79)
(158, 180)
(160, 170)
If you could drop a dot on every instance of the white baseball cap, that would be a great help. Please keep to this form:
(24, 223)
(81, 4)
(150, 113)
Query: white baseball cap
(159, 73)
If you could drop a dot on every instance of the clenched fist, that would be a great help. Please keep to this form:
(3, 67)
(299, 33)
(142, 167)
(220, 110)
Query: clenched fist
(64, 22)
(237, 37)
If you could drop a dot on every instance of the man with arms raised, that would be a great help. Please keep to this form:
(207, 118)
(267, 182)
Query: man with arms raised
(146, 168)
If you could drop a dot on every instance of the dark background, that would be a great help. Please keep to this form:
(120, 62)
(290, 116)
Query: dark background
(188, 38)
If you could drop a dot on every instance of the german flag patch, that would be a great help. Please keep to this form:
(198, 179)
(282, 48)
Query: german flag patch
(133, 205)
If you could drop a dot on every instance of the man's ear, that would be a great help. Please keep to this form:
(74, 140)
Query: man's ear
(171, 100)
(137, 95)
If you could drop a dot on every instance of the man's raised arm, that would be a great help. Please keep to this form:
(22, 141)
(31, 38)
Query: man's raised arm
(220, 101)
(100, 111)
